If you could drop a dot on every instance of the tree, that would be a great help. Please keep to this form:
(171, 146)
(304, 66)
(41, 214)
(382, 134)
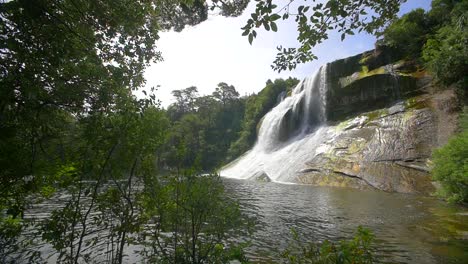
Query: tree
(451, 165)
(315, 21)
(205, 106)
(225, 93)
(194, 210)
(67, 69)
(76, 57)
(355, 250)
(185, 102)
(116, 150)
(446, 52)
(407, 34)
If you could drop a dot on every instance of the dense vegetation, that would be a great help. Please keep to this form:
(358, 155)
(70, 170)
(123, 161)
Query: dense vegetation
(438, 39)
(451, 165)
(69, 124)
(356, 250)
(206, 125)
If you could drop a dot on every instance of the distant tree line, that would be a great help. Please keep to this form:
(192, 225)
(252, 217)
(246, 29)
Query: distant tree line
(218, 128)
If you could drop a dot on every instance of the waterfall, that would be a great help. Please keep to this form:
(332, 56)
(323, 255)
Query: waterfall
(289, 134)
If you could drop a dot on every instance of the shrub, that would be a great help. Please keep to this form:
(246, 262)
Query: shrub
(451, 165)
(446, 53)
(407, 33)
(356, 250)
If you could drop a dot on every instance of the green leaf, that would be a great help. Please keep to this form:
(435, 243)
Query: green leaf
(274, 27)
(299, 9)
(251, 38)
(274, 17)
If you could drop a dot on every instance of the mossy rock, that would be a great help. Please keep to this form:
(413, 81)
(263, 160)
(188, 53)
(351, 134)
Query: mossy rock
(372, 80)
(416, 103)
(367, 94)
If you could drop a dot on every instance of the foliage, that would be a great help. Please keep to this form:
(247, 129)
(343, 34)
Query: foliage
(437, 37)
(256, 107)
(191, 220)
(185, 102)
(446, 52)
(67, 69)
(121, 148)
(408, 33)
(9, 230)
(205, 125)
(451, 165)
(356, 250)
(314, 22)
(225, 93)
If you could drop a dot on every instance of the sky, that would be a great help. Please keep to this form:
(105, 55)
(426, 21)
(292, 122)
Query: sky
(215, 51)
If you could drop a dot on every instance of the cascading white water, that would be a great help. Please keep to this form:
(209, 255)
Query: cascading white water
(289, 135)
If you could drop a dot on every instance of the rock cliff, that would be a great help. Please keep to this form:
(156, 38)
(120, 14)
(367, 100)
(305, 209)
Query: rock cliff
(387, 118)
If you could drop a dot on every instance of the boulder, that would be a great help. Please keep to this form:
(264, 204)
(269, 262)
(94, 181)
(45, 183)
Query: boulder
(260, 176)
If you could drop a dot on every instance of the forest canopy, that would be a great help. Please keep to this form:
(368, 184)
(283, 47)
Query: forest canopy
(69, 120)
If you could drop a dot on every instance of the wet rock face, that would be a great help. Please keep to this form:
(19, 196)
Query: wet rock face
(387, 149)
(388, 121)
(369, 81)
(370, 93)
(260, 176)
(290, 123)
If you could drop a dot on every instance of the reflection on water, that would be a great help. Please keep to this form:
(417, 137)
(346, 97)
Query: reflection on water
(408, 228)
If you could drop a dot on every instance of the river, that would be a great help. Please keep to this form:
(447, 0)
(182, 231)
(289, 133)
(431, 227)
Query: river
(408, 228)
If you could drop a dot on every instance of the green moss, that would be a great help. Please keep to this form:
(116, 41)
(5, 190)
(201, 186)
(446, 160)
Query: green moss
(356, 146)
(407, 115)
(345, 81)
(343, 125)
(419, 73)
(380, 70)
(363, 72)
(365, 58)
(414, 103)
(371, 116)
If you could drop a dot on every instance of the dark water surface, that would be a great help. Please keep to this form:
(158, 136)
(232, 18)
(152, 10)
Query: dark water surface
(408, 228)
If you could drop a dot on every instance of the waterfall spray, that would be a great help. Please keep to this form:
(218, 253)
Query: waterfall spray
(289, 134)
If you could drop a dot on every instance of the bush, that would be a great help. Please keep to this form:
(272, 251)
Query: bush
(451, 165)
(190, 220)
(446, 52)
(356, 250)
(408, 33)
